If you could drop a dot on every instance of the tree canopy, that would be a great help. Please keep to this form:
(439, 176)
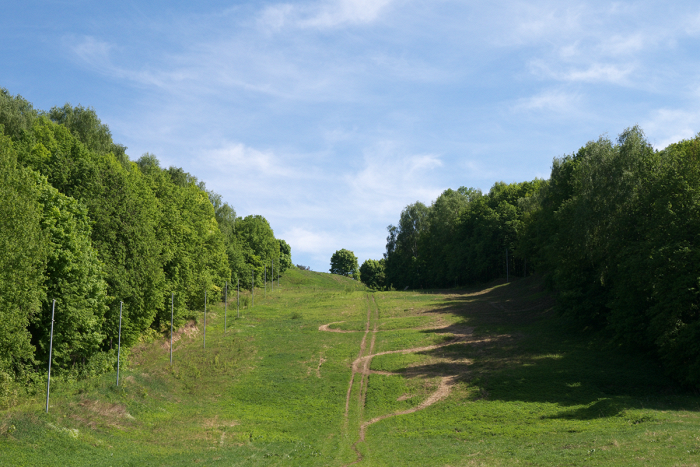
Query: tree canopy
(614, 232)
(372, 273)
(84, 225)
(344, 263)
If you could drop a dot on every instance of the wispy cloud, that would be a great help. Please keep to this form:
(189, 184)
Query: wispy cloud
(391, 178)
(531, 22)
(557, 101)
(299, 192)
(625, 45)
(248, 160)
(671, 125)
(324, 14)
(330, 116)
(92, 52)
(593, 73)
(692, 24)
(314, 242)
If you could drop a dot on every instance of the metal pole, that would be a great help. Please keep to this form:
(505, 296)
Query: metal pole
(272, 274)
(205, 319)
(48, 381)
(225, 303)
(238, 296)
(252, 292)
(172, 313)
(119, 346)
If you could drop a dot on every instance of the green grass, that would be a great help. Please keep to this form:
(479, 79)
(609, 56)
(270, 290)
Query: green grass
(529, 389)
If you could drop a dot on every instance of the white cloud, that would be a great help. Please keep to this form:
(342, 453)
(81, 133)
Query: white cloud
(599, 72)
(391, 179)
(533, 23)
(250, 160)
(286, 108)
(324, 207)
(692, 25)
(667, 126)
(92, 51)
(307, 241)
(625, 45)
(323, 15)
(593, 73)
(556, 101)
(97, 55)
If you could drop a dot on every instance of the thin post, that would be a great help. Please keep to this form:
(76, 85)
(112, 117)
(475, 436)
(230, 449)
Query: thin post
(48, 381)
(238, 297)
(119, 346)
(507, 270)
(252, 292)
(272, 274)
(205, 319)
(225, 303)
(172, 314)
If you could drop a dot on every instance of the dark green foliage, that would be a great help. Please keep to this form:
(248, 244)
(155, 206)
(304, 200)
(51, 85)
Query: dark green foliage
(84, 124)
(82, 224)
(193, 255)
(372, 273)
(125, 215)
(441, 264)
(285, 261)
(403, 256)
(614, 230)
(461, 238)
(226, 218)
(344, 263)
(23, 249)
(16, 114)
(490, 232)
(257, 246)
(74, 277)
(250, 244)
(618, 225)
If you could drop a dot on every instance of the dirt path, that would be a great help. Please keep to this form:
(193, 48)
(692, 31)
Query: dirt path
(361, 365)
(326, 327)
(441, 393)
(362, 349)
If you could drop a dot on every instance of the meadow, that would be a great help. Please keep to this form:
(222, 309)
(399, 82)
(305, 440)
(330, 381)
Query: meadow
(322, 371)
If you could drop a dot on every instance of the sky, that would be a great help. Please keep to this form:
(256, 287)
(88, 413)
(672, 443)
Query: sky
(328, 117)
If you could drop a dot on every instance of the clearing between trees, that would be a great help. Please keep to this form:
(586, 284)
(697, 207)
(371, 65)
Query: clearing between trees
(325, 372)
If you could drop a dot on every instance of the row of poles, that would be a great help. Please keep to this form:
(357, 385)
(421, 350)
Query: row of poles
(172, 318)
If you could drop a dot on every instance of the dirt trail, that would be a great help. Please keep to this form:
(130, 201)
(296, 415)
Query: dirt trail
(441, 393)
(362, 365)
(326, 327)
(365, 361)
(362, 349)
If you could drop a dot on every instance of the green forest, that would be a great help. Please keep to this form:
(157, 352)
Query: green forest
(614, 232)
(84, 225)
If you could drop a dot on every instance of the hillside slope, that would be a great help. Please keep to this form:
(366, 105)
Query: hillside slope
(321, 371)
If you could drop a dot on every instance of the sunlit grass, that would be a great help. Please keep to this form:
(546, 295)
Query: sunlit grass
(529, 389)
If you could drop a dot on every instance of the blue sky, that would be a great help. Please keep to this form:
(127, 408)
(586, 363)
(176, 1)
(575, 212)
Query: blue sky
(329, 116)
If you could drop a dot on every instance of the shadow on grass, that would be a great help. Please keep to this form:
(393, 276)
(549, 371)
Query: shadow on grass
(522, 351)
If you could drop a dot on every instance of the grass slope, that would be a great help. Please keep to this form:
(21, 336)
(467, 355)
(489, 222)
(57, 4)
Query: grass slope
(494, 378)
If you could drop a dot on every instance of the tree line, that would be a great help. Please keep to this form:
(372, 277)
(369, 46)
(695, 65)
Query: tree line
(615, 232)
(83, 224)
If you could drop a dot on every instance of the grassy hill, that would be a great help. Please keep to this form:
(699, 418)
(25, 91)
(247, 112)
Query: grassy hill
(324, 372)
